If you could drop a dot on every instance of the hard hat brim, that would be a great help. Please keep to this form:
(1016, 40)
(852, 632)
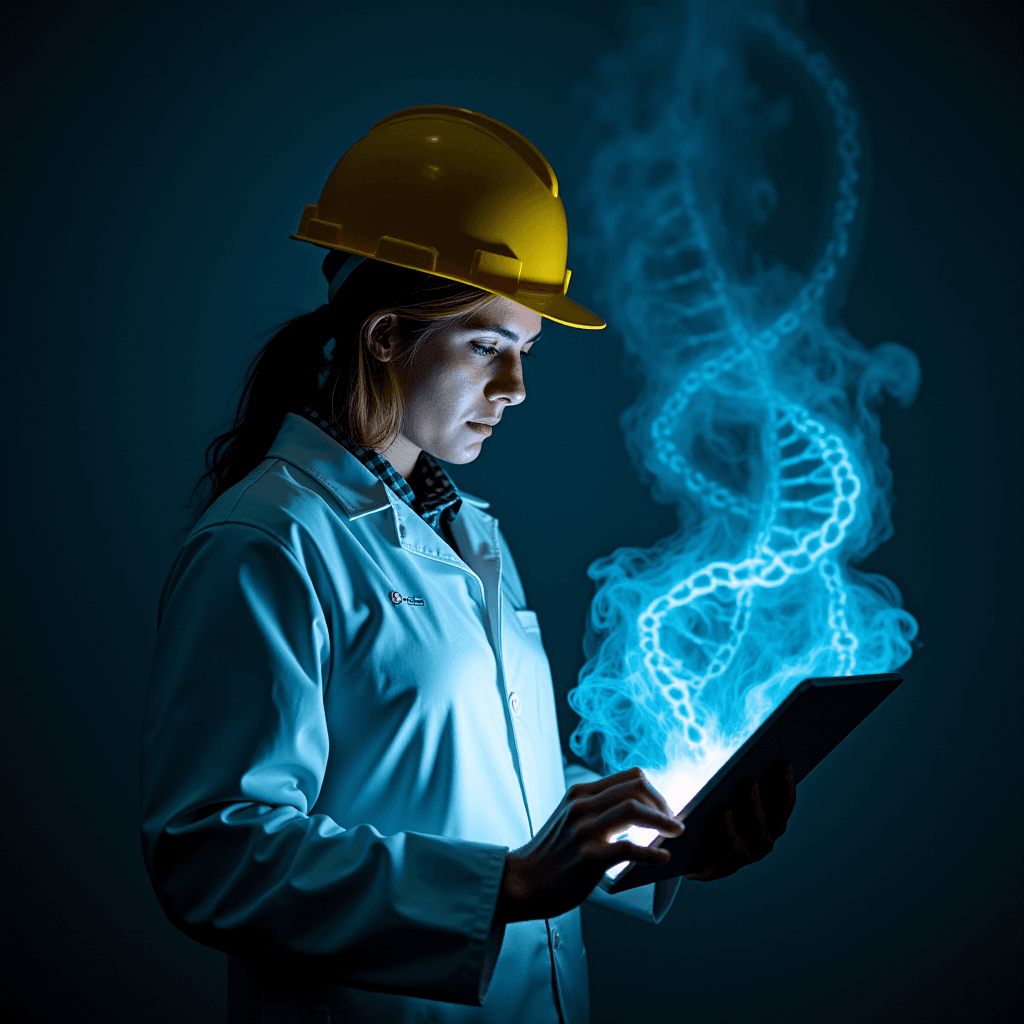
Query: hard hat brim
(552, 305)
(559, 308)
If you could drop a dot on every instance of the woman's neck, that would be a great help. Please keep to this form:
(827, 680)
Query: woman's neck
(402, 454)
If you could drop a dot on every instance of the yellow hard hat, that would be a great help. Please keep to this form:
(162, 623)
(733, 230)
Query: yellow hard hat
(456, 194)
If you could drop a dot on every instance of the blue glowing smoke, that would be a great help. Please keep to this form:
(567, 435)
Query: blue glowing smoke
(756, 412)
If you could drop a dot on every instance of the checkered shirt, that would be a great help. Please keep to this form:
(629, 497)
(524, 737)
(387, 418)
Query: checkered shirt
(430, 494)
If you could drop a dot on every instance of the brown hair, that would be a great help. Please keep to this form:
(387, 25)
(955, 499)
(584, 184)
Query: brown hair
(358, 392)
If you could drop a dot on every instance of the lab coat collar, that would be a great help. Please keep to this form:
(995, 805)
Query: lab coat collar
(358, 491)
(308, 448)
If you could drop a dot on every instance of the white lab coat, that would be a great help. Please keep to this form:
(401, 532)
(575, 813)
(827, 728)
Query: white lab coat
(348, 725)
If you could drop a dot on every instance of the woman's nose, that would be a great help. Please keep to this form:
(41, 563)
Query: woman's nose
(507, 383)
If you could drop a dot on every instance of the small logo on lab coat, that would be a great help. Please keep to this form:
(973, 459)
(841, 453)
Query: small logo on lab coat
(397, 599)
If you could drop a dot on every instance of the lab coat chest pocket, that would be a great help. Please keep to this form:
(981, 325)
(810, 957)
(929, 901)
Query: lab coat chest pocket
(532, 706)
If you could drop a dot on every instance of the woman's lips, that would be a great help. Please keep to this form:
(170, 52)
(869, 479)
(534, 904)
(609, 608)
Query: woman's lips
(479, 428)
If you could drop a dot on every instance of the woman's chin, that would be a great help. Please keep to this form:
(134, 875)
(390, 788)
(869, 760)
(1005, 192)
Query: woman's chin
(461, 454)
(471, 453)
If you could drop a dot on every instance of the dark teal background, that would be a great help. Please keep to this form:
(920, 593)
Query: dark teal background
(155, 158)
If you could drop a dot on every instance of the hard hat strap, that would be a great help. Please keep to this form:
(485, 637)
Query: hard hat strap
(343, 274)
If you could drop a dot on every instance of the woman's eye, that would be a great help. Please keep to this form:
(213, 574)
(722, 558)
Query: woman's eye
(484, 350)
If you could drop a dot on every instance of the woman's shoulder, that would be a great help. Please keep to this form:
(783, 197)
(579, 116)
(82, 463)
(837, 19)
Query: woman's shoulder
(276, 498)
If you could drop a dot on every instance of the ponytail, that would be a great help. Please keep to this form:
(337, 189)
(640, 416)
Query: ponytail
(284, 377)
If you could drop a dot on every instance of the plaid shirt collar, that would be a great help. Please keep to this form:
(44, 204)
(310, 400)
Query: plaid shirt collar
(432, 495)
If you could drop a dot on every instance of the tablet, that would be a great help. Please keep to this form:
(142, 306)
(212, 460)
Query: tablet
(814, 719)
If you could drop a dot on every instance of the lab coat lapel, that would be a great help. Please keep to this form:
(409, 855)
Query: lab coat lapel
(476, 534)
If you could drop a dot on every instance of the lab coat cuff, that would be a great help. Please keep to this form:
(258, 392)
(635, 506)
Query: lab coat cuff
(452, 887)
(483, 955)
(646, 902)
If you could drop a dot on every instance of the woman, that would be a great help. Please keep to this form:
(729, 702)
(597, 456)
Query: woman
(351, 774)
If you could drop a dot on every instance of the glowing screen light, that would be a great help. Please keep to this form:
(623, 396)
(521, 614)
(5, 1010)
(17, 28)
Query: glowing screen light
(756, 414)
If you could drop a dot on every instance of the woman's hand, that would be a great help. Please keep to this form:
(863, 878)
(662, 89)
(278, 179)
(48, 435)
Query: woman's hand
(558, 868)
(745, 829)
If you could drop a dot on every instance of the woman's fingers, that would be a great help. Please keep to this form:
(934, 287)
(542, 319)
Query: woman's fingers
(625, 850)
(632, 777)
(749, 820)
(584, 789)
(746, 828)
(621, 788)
(610, 807)
(629, 812)
(721, 851)
(564, 860)
(733, 852)
(778, 795)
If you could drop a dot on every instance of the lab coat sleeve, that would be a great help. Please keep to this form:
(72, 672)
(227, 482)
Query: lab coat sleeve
(647, 902)
(234, 752)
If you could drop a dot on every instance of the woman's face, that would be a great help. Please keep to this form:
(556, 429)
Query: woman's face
(464, 378)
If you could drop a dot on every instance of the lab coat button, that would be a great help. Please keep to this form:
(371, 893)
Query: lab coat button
(515, 703)
(556, 939)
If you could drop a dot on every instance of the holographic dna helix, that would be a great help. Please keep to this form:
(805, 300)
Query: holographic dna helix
(755, 418)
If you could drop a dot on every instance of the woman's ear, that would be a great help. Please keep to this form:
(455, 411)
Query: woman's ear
(382, 337)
